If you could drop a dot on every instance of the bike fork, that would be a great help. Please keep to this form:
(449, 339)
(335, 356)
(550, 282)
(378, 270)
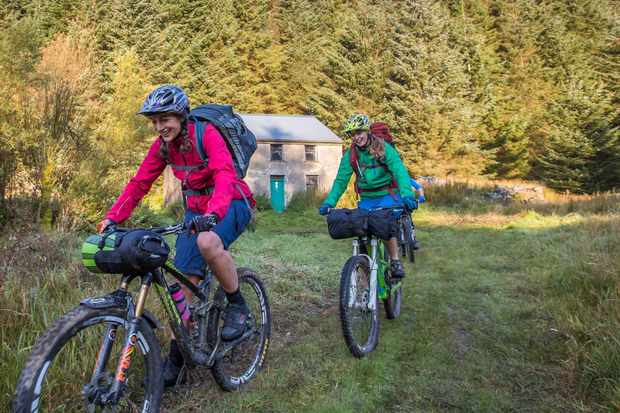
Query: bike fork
(372, 296)
(129, 346)
(103, 355)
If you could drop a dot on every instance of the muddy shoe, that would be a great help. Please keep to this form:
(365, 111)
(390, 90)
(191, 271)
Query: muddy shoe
(396, 267)
(235, 316)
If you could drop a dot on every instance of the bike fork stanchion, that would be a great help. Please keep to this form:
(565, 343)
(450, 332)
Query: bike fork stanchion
(353, 285)
(131, 340)
(91, 390)
(372, 296)
(104, 352)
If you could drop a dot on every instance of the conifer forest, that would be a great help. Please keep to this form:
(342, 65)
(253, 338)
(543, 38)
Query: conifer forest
(525, 89)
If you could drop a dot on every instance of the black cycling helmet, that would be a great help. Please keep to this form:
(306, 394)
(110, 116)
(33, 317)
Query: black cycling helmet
(166, 99)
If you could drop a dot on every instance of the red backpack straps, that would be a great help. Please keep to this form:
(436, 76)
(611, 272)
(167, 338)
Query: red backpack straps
(355, 165)
(354, 159)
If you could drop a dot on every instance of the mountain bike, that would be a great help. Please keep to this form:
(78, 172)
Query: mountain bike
(406, 237)
(104, 355)
(366, 278)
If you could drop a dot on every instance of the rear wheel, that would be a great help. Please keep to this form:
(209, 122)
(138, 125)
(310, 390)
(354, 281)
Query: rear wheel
(394, 294)
(58, 373)
(393, 302)
(409, 239)
(410, 253)
(360, 321)
(240, 364)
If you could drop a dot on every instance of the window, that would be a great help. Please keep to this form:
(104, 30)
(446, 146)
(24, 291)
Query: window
(310, 152)
(312, 183)
(276, 152)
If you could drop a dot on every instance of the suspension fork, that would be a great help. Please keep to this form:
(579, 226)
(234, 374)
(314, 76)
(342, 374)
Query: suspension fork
(382, 287)
(374, 266)
(131, 340)
(108, 342)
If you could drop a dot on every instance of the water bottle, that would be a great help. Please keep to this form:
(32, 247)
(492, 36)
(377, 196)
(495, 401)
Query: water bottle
(179, 301)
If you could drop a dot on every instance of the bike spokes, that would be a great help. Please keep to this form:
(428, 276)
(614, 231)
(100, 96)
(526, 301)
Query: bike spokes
(80, 375)
(361, 312)
(358, 314)
(240, 360)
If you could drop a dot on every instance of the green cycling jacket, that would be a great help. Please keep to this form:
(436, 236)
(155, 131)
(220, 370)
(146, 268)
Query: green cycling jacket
(372, 176)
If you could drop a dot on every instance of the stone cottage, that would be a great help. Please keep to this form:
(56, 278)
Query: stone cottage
(295, 153)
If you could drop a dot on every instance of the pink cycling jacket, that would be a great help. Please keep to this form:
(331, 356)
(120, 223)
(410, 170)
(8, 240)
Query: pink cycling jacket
(218, 176)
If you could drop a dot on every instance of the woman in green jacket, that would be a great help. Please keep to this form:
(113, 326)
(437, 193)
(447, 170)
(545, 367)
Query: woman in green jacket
(381, 178)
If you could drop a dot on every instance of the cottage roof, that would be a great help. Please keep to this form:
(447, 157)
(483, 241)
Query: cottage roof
(289, 128)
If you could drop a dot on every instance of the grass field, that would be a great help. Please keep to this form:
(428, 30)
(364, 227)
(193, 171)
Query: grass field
(508, 308)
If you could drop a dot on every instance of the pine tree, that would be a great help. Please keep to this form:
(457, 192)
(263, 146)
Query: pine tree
(607, 173)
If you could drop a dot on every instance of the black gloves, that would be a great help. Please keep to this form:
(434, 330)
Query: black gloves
(203, 223)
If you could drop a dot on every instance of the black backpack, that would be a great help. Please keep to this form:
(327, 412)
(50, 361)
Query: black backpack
(240, 141)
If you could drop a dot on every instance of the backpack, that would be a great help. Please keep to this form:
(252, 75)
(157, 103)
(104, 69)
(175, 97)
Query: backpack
(355, 165)
(240, 141)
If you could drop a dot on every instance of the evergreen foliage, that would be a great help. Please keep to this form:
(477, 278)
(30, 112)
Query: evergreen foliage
(504, 88)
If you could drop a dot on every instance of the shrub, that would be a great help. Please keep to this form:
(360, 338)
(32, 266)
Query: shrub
(146, 217)
(302, 201)
(262, 202)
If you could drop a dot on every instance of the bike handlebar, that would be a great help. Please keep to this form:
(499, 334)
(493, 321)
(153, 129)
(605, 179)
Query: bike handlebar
(166, 230)
(392, 208)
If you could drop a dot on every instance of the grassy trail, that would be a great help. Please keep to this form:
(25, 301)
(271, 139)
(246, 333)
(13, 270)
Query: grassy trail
(478, 330)
(473, 335)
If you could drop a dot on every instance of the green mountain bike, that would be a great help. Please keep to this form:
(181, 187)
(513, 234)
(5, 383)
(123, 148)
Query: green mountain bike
(365, 279)
(104, 355)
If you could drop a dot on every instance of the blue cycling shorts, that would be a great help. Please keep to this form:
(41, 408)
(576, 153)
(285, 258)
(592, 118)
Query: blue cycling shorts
(188, 258)
(385, 201)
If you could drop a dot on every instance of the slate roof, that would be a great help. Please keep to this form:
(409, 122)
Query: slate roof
(289, 128)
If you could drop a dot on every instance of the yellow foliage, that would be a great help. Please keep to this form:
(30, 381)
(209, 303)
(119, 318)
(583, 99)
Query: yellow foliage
(69, 59)
(121, 127)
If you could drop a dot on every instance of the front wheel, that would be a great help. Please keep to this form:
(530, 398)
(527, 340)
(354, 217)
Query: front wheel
(360, 320)
(241, 363)
(58, 375)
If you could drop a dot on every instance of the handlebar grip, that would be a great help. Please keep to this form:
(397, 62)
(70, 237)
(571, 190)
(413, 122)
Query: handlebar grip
(111, 227)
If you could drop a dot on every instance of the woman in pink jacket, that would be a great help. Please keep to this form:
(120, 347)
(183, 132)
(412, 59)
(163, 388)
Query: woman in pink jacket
(216, 203)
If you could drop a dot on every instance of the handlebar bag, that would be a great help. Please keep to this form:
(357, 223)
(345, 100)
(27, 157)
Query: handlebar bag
(347, 223)
(123, 251)
(383, 223)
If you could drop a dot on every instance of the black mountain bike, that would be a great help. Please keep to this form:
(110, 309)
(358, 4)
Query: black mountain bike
(104, 355)
(406, 237)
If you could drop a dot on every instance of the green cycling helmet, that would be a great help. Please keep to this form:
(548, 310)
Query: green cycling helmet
(355, 122)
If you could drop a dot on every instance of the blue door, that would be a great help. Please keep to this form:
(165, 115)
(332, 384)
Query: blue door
(277, 193)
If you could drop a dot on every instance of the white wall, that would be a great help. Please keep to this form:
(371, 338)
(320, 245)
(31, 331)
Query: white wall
(294, 167)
